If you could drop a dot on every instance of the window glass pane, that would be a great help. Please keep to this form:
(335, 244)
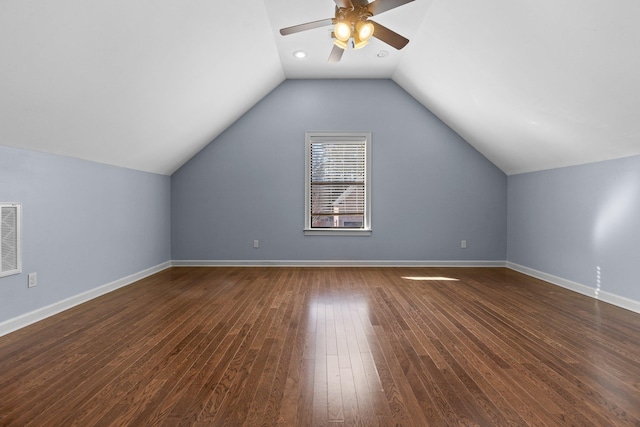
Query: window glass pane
(338, 184)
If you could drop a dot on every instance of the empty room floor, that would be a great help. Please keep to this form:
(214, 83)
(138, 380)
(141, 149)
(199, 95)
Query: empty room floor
(327, 346)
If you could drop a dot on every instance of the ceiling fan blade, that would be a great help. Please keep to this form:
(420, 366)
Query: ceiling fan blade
(379, 6)
(336, 54)
(344, 4)
(388, 36)
(305, 27)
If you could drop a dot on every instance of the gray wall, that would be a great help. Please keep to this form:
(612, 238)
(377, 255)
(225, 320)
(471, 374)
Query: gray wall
(579, 223)
(430, 188)
(84, 225)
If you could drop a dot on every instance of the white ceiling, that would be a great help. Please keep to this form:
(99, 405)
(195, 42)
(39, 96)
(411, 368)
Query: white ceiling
(143, 84)
(147, 84)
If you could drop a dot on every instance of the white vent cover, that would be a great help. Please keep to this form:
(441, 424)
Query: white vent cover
(10, 239)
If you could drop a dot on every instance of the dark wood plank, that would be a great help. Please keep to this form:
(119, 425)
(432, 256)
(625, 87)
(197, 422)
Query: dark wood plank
(327, 346)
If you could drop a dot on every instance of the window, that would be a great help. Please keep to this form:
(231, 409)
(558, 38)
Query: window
(11, 262)
(337, 183)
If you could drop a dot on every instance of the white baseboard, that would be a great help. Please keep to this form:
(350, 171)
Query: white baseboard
(27, 319)
(332, 263)
(600, 295)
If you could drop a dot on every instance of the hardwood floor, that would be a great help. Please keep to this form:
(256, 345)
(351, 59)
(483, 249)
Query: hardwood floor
(327, 346)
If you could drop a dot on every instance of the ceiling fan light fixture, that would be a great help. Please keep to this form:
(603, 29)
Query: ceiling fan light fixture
(340, 44)
(359, 44)
(351, 21)
(342, 31)
(364, 30)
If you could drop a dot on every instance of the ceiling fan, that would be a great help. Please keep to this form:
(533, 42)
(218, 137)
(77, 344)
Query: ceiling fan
(352, 21)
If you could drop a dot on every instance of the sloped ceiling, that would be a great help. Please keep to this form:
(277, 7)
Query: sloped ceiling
(532, 85)
(147, 84)
(143, 84)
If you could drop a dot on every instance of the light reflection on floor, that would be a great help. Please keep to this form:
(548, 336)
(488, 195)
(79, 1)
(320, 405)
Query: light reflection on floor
(338, 365)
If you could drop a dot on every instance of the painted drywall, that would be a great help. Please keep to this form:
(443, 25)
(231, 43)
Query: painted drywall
(85, 225)
(430, 189)
(579, 223)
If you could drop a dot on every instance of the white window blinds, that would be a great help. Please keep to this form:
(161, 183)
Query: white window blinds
(337, 182)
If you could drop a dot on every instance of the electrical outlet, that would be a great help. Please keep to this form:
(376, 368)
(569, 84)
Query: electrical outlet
(33, 279)
(463, 244)
(256, 243)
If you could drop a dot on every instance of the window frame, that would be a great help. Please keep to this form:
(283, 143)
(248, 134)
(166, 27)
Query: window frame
(337, 137)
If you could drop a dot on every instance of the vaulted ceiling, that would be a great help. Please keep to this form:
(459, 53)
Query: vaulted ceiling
(146, 84)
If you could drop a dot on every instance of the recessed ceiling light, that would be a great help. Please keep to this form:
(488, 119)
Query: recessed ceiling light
(300, 54)
(382, 54)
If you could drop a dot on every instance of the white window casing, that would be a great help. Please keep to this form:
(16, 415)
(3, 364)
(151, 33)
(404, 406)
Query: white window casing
(338, 183)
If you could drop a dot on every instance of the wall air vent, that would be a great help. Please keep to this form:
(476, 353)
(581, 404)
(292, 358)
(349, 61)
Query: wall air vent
(10, 252)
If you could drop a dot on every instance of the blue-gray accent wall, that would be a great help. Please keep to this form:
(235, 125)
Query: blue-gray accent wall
(579, 223)
(431, 189)
(88, 224)
(85, 225)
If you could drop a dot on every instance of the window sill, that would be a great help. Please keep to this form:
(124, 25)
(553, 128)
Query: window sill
(336, 232)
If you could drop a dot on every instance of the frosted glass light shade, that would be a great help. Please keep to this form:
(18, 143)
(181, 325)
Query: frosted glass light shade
(342, 31)
(365, 30)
